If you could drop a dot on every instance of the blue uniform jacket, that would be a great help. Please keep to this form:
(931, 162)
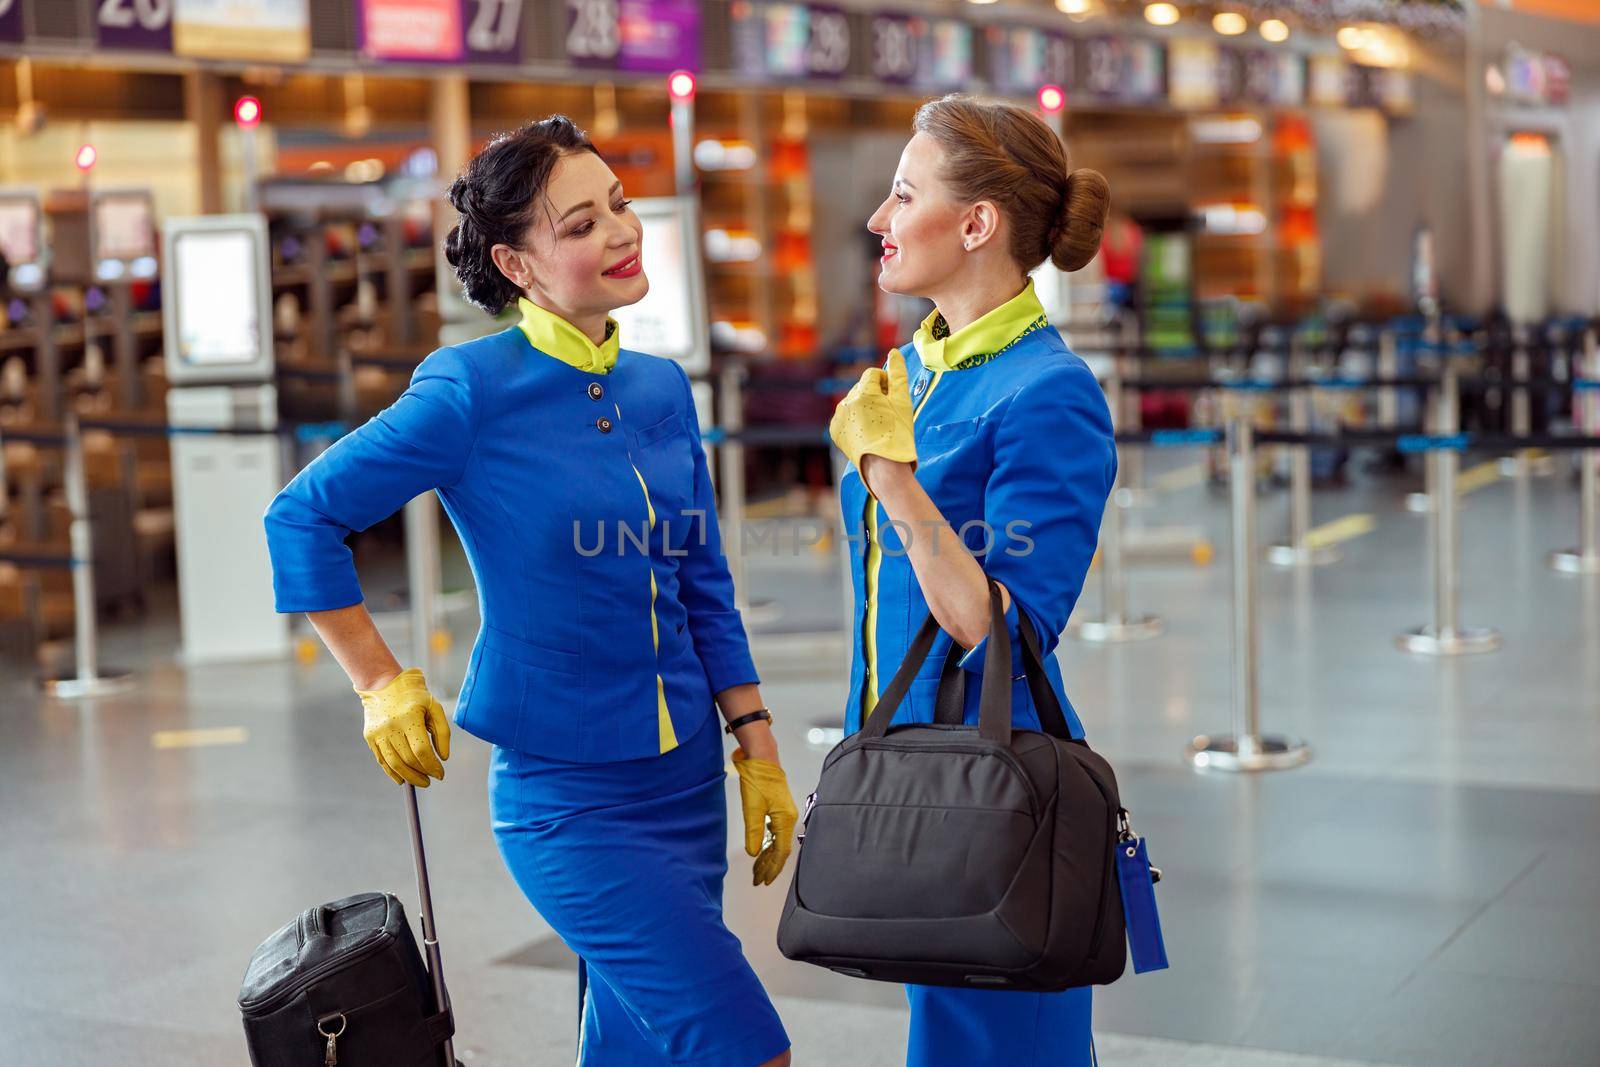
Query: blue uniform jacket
(1017, 451)
(586, 510)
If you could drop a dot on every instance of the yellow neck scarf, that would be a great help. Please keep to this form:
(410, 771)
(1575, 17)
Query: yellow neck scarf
(977, 343)
(555, 336)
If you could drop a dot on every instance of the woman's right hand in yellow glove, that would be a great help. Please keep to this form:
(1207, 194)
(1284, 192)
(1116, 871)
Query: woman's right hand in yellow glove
(405, 725)
(875, 416)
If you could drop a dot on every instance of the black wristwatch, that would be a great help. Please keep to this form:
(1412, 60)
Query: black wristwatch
(746, 720)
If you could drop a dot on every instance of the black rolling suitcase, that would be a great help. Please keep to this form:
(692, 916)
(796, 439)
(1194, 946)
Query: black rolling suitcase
(343, 984)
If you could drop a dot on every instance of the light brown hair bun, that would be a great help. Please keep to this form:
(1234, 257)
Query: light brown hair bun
(1007, 154)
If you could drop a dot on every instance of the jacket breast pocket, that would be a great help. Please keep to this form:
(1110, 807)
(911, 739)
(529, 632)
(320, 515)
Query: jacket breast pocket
(664, 458)
(953, 466)
(939, 440)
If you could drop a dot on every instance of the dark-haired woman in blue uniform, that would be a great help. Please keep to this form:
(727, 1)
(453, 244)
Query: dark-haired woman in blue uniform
(573, 472)
(983, 449)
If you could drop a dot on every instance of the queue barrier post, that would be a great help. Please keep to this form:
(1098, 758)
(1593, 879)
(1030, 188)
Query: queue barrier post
(422, 577)
(1388, 370)
(1298, 551)
(1427, 501)
(1115, 625)
(1520, 402)
(1246, 748)
(1585, 558)
(1126, 366)
(1445, 636)
(731, 474)
(89, 679)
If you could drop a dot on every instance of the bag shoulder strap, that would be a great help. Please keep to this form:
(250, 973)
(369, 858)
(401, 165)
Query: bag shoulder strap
(951, 701)
(994, 702)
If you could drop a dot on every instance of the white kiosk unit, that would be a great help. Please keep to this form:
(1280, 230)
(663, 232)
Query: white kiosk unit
(671, 320)
(20, 240)
(122, 250)
(217, 316)
(28, 254)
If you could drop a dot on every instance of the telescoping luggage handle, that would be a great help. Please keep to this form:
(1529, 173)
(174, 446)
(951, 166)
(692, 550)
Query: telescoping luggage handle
(430, 939)
(994, 699)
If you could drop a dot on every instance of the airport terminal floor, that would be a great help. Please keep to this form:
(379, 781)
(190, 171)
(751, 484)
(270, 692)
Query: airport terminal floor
(1422, 892)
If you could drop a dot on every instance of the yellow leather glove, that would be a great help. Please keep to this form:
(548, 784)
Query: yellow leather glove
(875, 416)
(400, 719)
(764, 795)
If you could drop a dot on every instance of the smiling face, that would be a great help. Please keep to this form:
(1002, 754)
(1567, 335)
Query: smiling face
(580, 257)
(921, 225)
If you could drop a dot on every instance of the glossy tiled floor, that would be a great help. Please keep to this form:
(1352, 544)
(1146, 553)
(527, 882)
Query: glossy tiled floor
(1424, 892)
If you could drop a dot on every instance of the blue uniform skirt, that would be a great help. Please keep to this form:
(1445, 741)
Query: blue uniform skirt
(625, 861)
(952, 1027)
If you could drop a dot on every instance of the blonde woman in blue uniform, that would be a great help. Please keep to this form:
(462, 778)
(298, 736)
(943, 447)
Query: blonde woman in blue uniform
(982, 449)
(573, 472)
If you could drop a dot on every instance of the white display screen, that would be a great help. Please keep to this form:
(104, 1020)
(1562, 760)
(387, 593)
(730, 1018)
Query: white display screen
(662, 324)
(19, 230)
(124, 227)
(218, 293)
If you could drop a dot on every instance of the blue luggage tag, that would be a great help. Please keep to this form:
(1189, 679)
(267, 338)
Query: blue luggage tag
(1137, 880)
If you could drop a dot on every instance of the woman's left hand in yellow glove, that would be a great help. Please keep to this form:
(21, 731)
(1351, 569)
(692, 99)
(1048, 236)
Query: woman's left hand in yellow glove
(769, 815)
(406, 729)
(875, 416)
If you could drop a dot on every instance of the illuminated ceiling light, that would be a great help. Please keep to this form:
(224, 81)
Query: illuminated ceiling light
(247, 112)
(1229, 23)
(681, 85)
(980, 3)
(1161, 14)
(1275, 30)
(1073, 7)
(1051, 98)
(1375, 45)
(85, 159)
(1226, 129)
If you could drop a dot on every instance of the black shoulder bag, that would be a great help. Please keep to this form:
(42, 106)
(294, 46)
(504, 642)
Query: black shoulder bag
(942, 854)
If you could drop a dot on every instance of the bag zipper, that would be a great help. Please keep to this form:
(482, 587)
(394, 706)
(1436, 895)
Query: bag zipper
(805, 819)
(1098, 936)
(1005, 755)
(360, 952)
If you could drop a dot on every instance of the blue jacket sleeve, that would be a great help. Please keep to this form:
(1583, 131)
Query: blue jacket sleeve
(1054, 464)
(420, 442)
(704, 585)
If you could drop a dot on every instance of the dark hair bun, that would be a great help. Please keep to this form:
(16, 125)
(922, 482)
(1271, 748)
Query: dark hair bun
(1083, 219)
(495, 194)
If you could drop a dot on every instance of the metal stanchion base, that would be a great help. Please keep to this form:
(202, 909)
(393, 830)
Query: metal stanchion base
(1286, 555)
(1426, 641)
(1135, 499)
(1573, 561)
(1422, 504)
(1525, 464)
(1115, 631)
(106, 683)
(1167, 544)
(762, 611)
(1247, 753)
(824, 733)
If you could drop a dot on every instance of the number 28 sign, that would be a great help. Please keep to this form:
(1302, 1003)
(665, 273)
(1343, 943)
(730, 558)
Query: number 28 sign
(140, 24)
